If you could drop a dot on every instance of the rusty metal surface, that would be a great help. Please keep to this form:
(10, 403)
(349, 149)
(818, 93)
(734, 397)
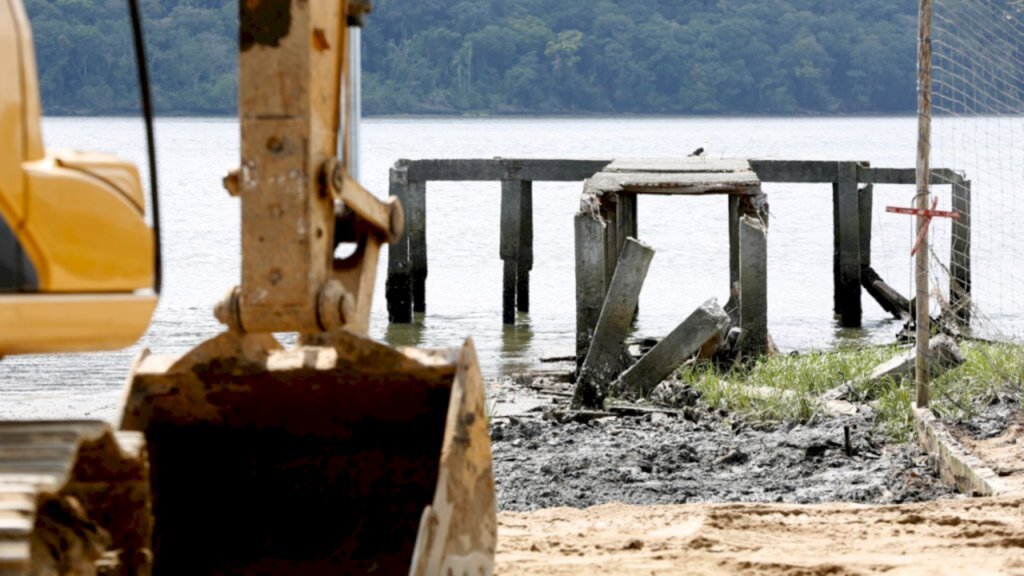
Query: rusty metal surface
(319, 460)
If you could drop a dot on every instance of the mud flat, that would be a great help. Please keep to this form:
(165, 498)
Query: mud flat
(546, 456)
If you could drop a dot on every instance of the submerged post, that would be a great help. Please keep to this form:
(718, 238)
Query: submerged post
(398, 288)
(846, 210)
(924, 128)
(416, 224)
(511, 242)
(525, 258)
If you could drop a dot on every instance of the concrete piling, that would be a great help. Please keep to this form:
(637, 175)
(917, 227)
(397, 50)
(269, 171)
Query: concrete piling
(516, 244)
(865, 206)
(846, 213)
(753, 285)
(603, 359)
(398, 288)
(590, 281)
(416, 224)
(960, 254)
(525, 260)
(667, 355)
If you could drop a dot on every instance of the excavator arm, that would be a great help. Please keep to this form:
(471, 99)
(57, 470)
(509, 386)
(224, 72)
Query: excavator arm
(343, 455)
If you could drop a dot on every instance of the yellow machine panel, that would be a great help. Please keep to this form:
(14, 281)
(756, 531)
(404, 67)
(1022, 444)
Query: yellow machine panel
(43, 323)
(82, 234)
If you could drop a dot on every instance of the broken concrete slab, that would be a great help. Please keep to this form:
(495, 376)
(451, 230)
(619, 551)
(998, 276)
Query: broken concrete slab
(603, 361)
(943, 356)
(671, 352)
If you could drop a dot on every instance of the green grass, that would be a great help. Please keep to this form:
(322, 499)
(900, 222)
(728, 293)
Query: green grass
(786, 388)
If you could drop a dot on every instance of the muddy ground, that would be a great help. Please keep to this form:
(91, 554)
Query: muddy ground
(546, 456)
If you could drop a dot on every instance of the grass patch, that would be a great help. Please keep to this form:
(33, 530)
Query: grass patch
(786, 388)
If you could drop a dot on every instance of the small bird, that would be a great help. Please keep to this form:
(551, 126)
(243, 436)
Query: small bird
(698, 152)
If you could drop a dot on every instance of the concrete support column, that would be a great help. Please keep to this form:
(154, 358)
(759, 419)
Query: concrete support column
(416, 224)
(960, 254)
(753, 238)
(525, 260)
(398, 287)
(732, 305)
(846, 244)
(516, 245)
(590, 279)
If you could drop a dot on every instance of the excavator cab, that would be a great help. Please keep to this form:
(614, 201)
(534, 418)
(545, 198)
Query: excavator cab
(77, 258)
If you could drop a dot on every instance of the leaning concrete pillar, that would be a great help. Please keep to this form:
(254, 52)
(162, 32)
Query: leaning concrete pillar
(682, 343)
(604, 357)
(416, 224)
(847, 226)
(753, 239)
(590, 282)
(398, 287)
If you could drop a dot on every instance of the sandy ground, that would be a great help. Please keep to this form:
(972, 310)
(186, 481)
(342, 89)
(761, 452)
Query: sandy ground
(975, 537)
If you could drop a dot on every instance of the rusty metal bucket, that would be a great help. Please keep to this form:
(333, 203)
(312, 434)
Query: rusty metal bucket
(351, 459)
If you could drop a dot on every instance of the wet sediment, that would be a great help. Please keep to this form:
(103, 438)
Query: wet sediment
(547, 456)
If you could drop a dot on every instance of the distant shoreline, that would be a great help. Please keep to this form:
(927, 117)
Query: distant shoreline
(528, 116)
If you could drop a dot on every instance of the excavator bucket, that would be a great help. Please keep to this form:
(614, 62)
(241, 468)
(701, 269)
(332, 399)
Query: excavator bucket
(353, 458)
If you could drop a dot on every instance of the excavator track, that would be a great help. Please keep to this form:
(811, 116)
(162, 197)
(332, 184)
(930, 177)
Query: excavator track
(74, 499)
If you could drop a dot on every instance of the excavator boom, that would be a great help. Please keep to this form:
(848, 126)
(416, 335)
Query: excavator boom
(342, 456)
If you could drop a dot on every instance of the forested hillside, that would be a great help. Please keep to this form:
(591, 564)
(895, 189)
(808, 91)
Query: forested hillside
(514, 56)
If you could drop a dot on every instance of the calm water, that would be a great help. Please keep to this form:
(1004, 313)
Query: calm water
(201, 237)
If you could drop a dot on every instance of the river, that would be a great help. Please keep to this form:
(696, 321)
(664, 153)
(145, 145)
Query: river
(201, 237)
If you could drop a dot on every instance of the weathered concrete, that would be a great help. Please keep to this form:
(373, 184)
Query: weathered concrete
(494, 169)
(887, 297)
(943, 356)
(956, 464)
(960, 254)
(416, 230)
(590, 279)
(847, 222)
(670, 353)
(513, 247)
(525, 259)
(865, 206)
(603, 360)
(754, 285)
(398, 288)
(732, 306)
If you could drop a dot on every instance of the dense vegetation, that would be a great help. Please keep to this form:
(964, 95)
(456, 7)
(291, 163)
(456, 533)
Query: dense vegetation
(515, 56)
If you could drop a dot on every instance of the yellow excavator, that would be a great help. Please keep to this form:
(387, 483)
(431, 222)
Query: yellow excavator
(339, 456)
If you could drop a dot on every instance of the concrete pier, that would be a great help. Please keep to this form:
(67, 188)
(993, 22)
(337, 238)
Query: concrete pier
(852, 214)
